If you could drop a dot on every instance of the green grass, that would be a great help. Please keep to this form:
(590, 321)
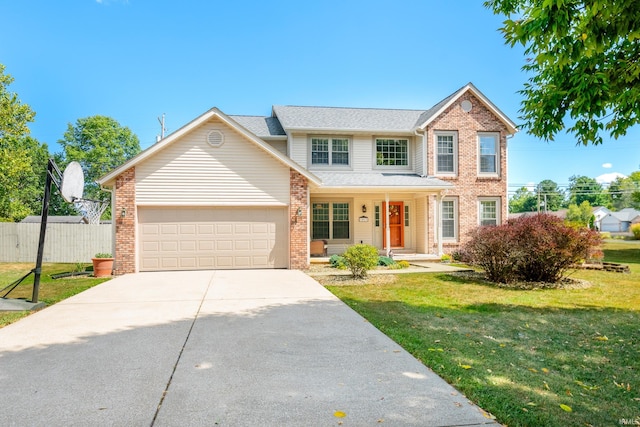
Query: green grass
(50, 292)
(521, 354)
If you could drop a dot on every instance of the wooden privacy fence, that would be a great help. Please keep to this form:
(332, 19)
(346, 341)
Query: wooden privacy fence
(64, 242)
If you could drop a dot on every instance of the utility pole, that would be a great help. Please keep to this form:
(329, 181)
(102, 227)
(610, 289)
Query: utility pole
(162, 128)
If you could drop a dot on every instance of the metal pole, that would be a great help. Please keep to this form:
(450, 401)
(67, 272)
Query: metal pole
(43, 230)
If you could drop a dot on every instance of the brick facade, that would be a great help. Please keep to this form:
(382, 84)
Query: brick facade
(125, 201)
(299, 225)
(469, 186)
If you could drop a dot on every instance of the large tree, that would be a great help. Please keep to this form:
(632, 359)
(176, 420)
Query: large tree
(582, 188)
(583, 62)
(550, 194)
(99, 144)
(22, 159)
(625, 192)
(523, 200)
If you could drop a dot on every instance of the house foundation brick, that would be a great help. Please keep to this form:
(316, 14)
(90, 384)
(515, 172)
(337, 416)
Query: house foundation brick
(299, 224)
(125, 227)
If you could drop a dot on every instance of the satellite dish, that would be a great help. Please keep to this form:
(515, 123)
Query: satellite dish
(72, 185)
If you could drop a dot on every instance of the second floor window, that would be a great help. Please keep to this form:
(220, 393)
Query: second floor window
(488, 153)
(446, 153)
(330, 151)
(392, 152)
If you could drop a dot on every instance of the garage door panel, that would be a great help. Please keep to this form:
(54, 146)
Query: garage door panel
(212, 238)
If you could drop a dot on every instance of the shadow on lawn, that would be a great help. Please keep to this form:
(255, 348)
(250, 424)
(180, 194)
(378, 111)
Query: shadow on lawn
(522, 363)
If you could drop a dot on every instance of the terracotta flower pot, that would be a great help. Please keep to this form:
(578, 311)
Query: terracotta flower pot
(102, 267)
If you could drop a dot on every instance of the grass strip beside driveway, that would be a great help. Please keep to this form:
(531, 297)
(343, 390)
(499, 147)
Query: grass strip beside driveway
(534, 357)
(51, 291)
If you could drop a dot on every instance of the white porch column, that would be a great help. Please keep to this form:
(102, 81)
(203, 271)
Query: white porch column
(387, 229)
(438, 214)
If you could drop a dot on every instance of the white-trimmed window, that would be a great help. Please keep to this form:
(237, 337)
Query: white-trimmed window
(330, 221)
(449, 218)
(326, 151)
(489, 211)
(488, 154)
(446, 153)
(392, 152)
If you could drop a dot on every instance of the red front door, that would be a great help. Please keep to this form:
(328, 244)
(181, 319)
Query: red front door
(396, 224)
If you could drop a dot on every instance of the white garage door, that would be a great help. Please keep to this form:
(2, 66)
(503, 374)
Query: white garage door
(212, 238)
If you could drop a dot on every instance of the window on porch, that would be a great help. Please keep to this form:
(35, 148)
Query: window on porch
(330, 221)
(449, 215)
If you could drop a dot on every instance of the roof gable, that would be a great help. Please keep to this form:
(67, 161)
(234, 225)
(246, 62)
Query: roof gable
(214, 112)
(440, 107)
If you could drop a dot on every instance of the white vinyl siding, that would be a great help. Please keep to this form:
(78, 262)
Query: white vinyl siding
(298, 149)
(191, 172)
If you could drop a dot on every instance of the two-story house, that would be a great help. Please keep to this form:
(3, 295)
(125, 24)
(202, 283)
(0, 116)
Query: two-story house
(229, 191)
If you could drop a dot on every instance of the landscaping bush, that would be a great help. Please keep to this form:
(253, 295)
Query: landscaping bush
(635, 229)
(336, 261)
(360, 259)
(385, 261)
(539, 248)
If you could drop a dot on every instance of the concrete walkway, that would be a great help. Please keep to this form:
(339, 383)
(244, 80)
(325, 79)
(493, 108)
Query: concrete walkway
(206, 348)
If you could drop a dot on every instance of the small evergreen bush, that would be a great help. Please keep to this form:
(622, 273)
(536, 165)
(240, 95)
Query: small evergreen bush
(385, 261)
(336, 261)
(360, 259)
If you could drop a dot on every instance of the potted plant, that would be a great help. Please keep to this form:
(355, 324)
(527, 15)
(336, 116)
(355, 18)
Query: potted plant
(102, 265)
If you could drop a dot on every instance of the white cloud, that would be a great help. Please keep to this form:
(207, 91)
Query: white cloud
(607, 165)
(607, 178)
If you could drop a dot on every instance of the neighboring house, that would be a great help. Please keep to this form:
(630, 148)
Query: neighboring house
(599, 212)
(255, 192)
(560, 213)
(620, 221)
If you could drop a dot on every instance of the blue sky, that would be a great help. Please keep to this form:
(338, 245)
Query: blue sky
(135, 60)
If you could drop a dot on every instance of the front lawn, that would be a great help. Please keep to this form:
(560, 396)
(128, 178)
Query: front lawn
(51, 291)
(531, 358)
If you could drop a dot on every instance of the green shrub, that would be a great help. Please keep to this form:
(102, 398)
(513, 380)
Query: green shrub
(403, 264)
(605, 234)
(360, 259)
(635, 229)
(539, 248)
(385, 261)
(336, 261)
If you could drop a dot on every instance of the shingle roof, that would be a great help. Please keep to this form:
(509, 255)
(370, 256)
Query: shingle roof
(378, 179)
(347, 119)
(260, 126)
(626, 214)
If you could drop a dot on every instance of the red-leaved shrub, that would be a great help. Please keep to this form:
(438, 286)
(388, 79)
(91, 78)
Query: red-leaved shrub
(538, 248)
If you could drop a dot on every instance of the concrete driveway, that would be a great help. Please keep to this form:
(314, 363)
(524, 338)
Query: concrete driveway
(206, 348)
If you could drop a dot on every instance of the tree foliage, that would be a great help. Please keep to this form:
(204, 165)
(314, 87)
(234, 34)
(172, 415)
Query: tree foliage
(99, 144)
(584, 62)
(580, 215)
(625, 192)
(23, 160)
(582, 188)
(523, 200)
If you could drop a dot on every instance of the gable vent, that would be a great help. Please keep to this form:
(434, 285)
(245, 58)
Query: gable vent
(215, 138)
